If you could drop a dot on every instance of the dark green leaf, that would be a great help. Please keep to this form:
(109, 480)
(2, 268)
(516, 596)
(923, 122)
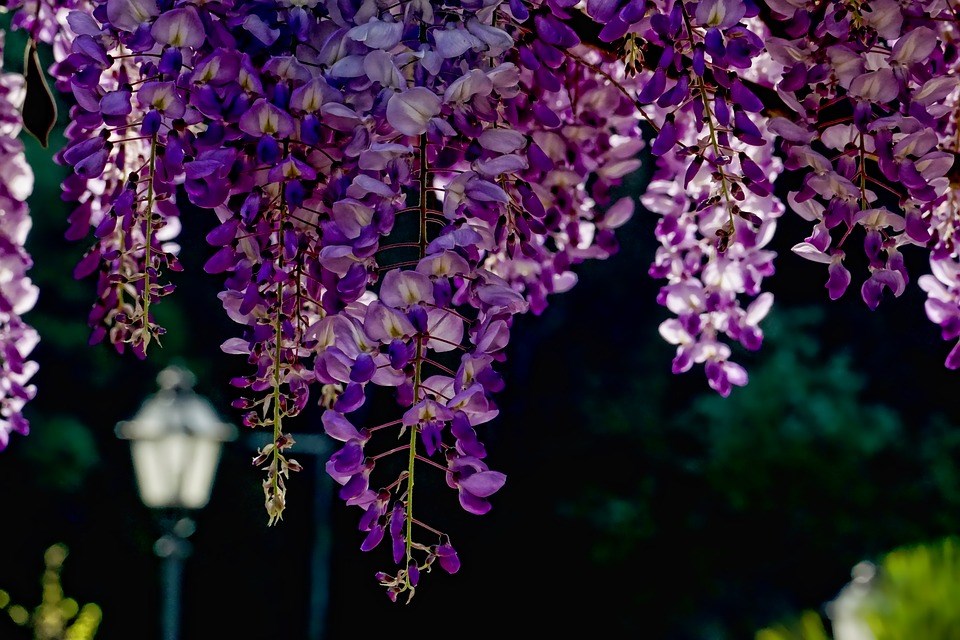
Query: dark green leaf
(39, 106)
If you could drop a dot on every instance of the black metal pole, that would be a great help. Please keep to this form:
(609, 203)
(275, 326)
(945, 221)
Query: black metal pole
(171, 577)
(172, 548)
(320, 558)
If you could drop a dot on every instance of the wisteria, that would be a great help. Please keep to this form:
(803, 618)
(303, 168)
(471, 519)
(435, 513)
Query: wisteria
(17, 293)
(390, 184)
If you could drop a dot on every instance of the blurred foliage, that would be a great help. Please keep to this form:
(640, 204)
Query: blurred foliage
(57, 617)
(917, 594)
(746, 505)
(914, 595)
(62, 453)
(808, 627)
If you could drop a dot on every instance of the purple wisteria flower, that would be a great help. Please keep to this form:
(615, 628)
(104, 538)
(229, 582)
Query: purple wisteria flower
(321, 134)
(17, 293)
(388, 185)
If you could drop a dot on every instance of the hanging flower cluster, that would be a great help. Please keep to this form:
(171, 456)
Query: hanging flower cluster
(718, 217)
(394, 182)
(392, 186)
(17, 293)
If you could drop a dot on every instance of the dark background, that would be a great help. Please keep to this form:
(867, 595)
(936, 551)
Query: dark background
(637, 502)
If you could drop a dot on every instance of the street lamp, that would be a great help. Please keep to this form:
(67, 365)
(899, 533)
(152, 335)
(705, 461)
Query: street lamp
(175, 439)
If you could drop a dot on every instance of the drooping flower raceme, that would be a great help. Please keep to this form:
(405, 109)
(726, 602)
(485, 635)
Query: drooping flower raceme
(17, 293)
(706, 285)
(386, 196)
(938, 222)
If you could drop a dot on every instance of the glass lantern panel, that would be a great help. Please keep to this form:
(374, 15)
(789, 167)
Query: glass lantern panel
(198, 474)
(158, 465)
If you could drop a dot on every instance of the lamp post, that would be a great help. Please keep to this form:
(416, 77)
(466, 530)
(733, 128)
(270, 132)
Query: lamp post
(175, 440)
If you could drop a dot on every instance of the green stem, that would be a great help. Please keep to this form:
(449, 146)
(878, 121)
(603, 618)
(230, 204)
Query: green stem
(418, 360)
(708, 113)
(277, 355)
(617, 85)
